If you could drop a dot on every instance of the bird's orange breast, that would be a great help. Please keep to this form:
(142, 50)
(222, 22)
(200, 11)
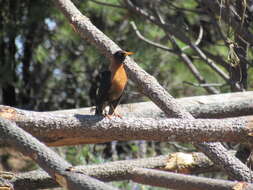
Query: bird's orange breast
(118, 82)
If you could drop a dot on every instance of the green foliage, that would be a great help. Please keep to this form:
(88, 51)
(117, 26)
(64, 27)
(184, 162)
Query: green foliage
(50, 67)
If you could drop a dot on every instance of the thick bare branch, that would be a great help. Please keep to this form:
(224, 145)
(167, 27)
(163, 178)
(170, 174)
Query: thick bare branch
(57, 130)
(211, 106)
(145, 82)
(119, 170)
(215, 151)
(5, 184)
(53, 164)
(150, 87)
(183, 182)
(36, 179)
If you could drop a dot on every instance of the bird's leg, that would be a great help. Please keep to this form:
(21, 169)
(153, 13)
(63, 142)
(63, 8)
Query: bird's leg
(117, 115)
(108, 116)
(113, 112)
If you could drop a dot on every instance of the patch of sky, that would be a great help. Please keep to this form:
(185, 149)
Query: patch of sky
(51, 24)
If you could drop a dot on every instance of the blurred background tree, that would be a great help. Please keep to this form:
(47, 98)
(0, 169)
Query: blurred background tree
(46, 66)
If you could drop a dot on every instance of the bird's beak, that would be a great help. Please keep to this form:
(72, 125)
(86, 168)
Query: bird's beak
(128, 53)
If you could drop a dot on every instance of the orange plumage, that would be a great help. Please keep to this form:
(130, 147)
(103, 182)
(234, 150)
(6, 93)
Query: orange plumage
(112, 84)
(118, 81)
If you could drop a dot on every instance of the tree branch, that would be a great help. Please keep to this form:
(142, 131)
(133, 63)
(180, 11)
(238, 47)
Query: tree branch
(231, 19)
(147, 83)
(37, 179)
(157, 45)
(107, 4)
(193, 163)
(210, 106)
(150, 87)
(182, 182)
(53, 164)
(177, 50)
(58, 130)
(176, 31)
(199, 39)
(204, 85)
(5, 184)
(215, 151)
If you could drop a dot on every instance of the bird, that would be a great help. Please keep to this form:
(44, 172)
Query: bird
(112, 83)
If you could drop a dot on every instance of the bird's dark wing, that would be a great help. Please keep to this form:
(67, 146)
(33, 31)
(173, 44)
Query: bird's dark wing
(102, 94)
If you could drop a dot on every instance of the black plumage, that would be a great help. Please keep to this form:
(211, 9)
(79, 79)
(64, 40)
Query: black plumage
(111, 84)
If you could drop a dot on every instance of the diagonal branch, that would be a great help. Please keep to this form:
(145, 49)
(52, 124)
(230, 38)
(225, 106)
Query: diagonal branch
(157, 45)
(53, 164)
(150, 87)
(191, 163)
(174, 30)
(147, 83)
(178, 51)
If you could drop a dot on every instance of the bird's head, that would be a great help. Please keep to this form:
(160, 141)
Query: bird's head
(120, 56)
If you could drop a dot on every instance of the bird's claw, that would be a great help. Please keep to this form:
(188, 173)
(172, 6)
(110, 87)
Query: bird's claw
(109, 116)
(117, 115)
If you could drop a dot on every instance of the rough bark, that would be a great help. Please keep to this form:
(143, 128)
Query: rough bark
(146, 83)
(57, 130)
(53, 164)
(150, 87)
(174, 30)
(5, 184)
(210, 106)
(183, 182)
(193, 163)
